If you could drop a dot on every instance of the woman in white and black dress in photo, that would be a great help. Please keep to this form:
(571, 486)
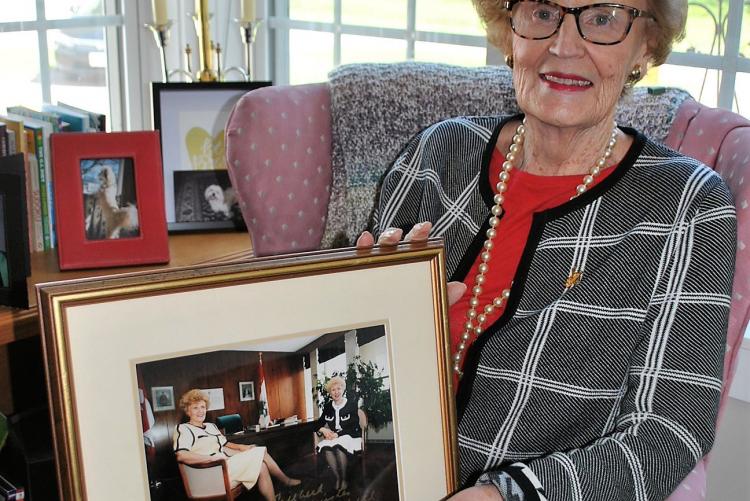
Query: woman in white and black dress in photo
(338, 426)
(197, 442)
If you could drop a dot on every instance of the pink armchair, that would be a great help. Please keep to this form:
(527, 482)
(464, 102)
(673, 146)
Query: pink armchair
(285, 144)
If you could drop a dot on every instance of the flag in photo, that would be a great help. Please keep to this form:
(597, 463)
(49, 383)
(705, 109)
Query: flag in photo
(265, 418)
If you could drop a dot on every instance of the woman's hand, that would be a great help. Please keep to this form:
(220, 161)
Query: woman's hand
(419, 233)
(478, 493)
(327, 433)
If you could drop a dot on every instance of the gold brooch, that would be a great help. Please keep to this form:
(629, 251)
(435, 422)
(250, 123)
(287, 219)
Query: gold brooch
(573, 279)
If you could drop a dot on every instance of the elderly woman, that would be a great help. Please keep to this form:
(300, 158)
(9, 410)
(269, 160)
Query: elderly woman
(198, 442)
(338, 426)
(594, 265)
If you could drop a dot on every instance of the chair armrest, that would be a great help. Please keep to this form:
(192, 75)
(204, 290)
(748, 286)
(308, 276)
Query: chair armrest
(207, 464)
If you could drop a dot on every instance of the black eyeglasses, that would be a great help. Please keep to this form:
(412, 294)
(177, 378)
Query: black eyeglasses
(600, 23)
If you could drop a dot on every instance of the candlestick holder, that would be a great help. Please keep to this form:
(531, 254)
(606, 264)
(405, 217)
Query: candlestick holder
(161, 36)
(207, 49)
(249, 30)
(188, 73)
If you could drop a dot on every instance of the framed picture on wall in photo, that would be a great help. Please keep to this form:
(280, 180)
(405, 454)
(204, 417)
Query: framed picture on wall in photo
(108, 190)
(247, 391)
(162, 398)
(377, 353)
(191, 118)
(14, 237)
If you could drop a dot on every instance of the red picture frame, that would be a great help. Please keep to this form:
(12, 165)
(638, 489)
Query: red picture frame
(127, 232)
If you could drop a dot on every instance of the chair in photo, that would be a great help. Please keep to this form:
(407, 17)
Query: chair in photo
(305, 160)
(209, 481)
(229, 423)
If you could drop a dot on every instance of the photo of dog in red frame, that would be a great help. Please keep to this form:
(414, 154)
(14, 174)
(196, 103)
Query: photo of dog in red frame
(109, 199)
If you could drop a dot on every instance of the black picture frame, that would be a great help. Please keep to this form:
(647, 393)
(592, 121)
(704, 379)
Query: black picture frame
(14, 235)
(180, 109)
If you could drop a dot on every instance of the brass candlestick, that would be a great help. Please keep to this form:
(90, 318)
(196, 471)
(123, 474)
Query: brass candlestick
(206, 72)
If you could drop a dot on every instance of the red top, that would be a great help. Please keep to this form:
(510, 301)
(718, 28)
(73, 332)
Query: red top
(526, 194)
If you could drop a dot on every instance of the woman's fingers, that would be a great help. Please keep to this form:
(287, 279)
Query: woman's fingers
(455, 291)
(365, 240)
(419, 232)
(391, 236)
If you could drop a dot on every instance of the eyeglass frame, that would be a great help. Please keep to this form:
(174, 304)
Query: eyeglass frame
(576, 13)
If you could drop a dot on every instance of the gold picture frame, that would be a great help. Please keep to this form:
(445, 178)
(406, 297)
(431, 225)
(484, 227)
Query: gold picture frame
(96, 331)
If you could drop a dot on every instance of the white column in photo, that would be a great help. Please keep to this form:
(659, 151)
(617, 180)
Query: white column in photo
(351, 348)
(313, 381)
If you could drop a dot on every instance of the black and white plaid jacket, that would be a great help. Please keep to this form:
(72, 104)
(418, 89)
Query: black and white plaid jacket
(607, 390)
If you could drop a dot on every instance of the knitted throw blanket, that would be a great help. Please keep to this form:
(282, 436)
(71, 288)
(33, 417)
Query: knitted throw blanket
(377, 108)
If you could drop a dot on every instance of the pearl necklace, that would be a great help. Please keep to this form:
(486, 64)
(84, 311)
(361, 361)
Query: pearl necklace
(474, 320)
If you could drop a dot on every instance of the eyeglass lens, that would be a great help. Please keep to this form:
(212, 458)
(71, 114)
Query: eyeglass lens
(597, 23)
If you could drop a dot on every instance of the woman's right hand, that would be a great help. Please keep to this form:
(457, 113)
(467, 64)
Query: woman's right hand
(419, 233)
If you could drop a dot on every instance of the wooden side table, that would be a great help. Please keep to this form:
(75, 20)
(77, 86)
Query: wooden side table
(184, 249)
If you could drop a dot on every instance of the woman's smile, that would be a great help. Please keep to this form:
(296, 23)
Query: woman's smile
(566, 82)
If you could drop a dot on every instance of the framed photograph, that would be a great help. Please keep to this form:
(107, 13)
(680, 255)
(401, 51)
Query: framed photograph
(14, 236)
(108, 197)
(247, 391)
(191, 118)
(389, 345)
(162, 398)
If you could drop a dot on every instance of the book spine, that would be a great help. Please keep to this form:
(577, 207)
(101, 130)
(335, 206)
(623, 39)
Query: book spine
(12, 146)
(50, 193)
(43, 187)
(33, 180)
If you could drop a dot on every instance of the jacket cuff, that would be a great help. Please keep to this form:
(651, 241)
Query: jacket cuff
(516, 483)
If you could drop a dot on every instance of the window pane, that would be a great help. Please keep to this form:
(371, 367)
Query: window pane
(310, 56)
(20, 86)
(742, 97)
(78, 65)
(450, 54)
(703, 27)
(702, 84)
(448, 16)
(66, 9)
(385, 13)
(311, 10)
(745, 39)
(11, 10)
(359, 49)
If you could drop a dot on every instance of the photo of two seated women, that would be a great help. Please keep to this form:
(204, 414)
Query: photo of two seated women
(317, 426)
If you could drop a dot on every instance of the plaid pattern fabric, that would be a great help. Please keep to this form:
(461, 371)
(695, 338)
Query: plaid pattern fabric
(607, 390)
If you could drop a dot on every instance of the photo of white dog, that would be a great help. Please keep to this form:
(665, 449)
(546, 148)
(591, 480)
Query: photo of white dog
(109, 199)
(206, 197)
(220, 200)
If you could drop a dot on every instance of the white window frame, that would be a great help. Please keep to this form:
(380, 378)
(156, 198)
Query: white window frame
(280, 24)
(111, 22)
(729, 63)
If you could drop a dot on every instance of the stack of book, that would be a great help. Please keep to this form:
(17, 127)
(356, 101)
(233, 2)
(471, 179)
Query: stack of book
(27, 131)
